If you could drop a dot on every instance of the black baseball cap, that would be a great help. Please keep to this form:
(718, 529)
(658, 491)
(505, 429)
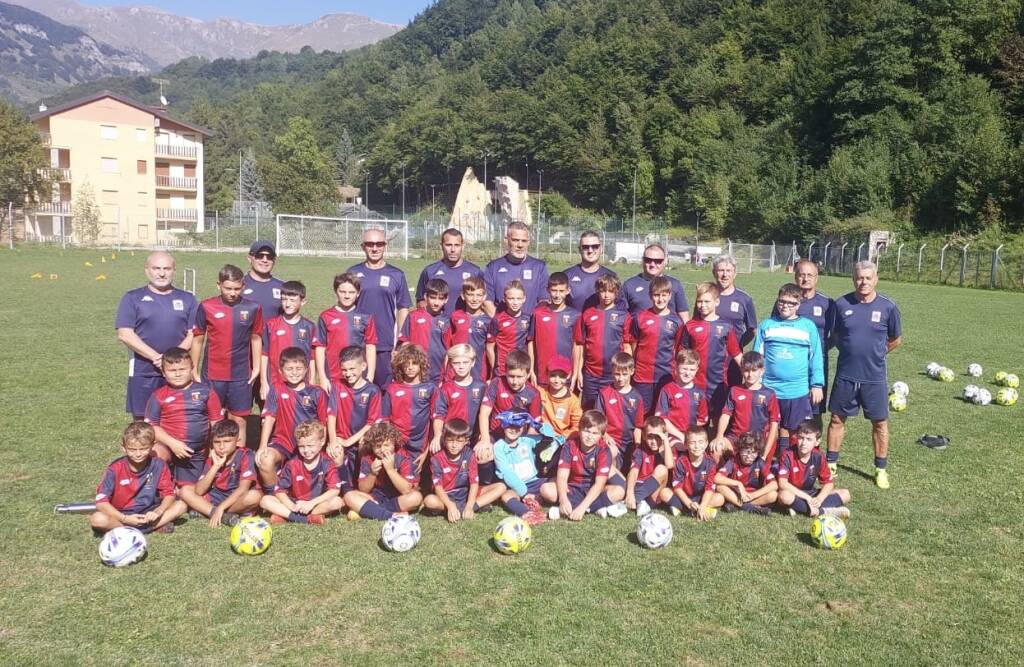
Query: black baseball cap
(262, 245)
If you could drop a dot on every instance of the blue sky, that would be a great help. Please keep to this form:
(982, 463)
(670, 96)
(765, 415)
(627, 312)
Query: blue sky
(280, 13)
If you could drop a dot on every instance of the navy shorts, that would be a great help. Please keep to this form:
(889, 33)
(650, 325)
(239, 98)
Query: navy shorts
(649, 392)
(459, 496)
(390, 503)
(795, 411)
(616, 480)
(382, 373)
(216, 496)
(188, 471)
(591, 388)
(282, 450)
(533, 486)
(850, 397)
(139, 391)
(717, 397)
(234, 395)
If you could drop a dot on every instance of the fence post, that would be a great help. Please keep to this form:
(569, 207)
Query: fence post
(899, 256)
(216, 230)
(963, 263)
(920, 254)
(995, 267)
(771, 259)
(977, 268)
(824, 260)
(842, 257)
(942, 263)
(810, 251)
(860, 252)
(730, 248)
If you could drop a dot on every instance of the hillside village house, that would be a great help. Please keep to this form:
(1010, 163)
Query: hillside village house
(145, 169)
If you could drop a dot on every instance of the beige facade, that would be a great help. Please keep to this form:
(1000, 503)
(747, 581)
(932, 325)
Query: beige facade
(144, 168)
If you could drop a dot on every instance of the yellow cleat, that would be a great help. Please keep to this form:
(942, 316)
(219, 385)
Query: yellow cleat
(881, 478)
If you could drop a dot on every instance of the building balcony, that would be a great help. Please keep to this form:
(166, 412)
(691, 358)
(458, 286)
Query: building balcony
(45, 138)
(58, 174)
(176, 151)
(52, 208)
(176, 215)
(176, 182)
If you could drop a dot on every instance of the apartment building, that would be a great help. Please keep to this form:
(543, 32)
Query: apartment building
(145, 169)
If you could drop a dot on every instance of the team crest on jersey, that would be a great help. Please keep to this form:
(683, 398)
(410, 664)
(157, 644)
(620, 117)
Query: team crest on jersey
(817, 311)
(439, 272)
(719, 329)
(696, 395)
(363, 399)
(566, 319)
(465, 274)
(476, 392)
(576, 279)
(307, 401)
(422, 393)
(876, 316)
(441, 325)
(761, 399)
(178, 304)
(632, 403)
(276, 292)
(524, 323)
(480, 324)
(463, 466)
(385, 281)
(669, 325)
(734, 307)
(615, 317)
(527, 274)
(197, 396)
(302, 334)
(243, 315)
(357, 319)
(502, 270)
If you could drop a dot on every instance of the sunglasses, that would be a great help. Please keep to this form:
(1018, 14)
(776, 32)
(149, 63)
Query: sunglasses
(374, 244)
(654, 260)
(596, 246)
(791, 304)
(263, 255)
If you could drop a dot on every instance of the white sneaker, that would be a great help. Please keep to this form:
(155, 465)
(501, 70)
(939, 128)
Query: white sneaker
(603, 512)
(842, 512)
(642, 509)
(617, 510)
(554, 514)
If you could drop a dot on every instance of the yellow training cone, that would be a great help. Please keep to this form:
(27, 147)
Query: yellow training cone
(133, 253)
(113, 255)
(37, 276)
(103, 260)
(89, 264)
(102, 276)
(53, 276)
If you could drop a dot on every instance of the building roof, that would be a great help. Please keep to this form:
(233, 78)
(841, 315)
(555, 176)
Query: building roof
(156, 111)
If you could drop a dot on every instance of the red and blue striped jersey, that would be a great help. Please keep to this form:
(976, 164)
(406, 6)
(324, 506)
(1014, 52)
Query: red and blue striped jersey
(501, 398)
(279, 335)
(472, 330)
(455, 401)
(354, 408)
(431, 332)
(185, 414)
(644, 462)
(408, 407)
(336, 329)
(508, 333)
(694, 479)
(457, 473)
(655, 337)
(585, 466)
(228, 331)
(404, 464)
(602, 333)
(134, 492)
(625, 412)
(804, 475)
(239, 469)
(303, 483)
(552, 334)
(751, 410)
(753, 476)
(290, 407)
(681, 406)
(716, 344)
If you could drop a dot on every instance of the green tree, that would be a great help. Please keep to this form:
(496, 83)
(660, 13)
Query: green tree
(86, 215)
(22, 160)
(299, 172)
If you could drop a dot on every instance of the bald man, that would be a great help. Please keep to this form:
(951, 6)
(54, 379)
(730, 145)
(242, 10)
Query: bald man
(150, 320)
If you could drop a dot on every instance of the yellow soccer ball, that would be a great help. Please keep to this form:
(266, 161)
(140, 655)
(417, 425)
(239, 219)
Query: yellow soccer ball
(1012, 381)
(897, 402)
(1007, 396)
(513, 535)
(1001, 377)
(251, 536)
(947, 374)
(828, 532)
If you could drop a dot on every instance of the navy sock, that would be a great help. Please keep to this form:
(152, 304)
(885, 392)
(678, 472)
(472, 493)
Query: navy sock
(881, 462)
(601, 501)
(487, 475)
(800, 505)
(832, 457)
(832, 500)
(644, 489)
(372, 510)
(517, 506)
(295, 517)
(677, 503)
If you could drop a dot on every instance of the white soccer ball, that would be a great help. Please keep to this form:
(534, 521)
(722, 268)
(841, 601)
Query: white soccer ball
(970, 391)
(122, 546)
(654, 531)
(400, 533)
(932, 369)
(983, 397)
(901, 389)
(975, 370)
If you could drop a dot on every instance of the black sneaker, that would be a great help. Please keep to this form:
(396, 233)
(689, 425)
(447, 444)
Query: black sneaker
(756, 509)
(229, 519)
(167, 528)
(936, 442)
(193, 514)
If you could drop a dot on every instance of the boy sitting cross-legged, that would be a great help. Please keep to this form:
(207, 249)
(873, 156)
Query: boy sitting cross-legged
(746, 480)
(308, 485)
(586, 480)
(387, 477)
(800, 472)
(457, 492)
(225, 489)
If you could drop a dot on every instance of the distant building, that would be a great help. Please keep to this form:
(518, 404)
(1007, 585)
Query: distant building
(145, 169)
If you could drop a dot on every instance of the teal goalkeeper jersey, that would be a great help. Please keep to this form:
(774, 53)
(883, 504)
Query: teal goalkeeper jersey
(792, 356)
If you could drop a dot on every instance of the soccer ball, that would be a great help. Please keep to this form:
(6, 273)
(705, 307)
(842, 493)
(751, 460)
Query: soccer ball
(946, 375)
(513, 535)
(1001, 377)
(400, 533)
(122, 546)
(970, 391)
(974, 370)
(983, 397)
(828, 532)
(1012, 381)
(897, 402)
(654, 531)
(1006, 396)
(932, 369)
(251, 536)
(900, 389)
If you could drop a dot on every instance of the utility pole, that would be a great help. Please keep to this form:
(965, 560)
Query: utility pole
(239, 213)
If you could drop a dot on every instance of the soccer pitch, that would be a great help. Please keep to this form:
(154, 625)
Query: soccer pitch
(931, 573)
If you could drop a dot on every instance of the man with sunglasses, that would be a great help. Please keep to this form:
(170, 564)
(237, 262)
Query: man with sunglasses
(583, 276)
(451, 268)
(259, 284)
(384, 294)
(637, 288)
(516, 264)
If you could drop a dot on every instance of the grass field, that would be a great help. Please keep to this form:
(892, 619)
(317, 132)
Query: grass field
(931, 575)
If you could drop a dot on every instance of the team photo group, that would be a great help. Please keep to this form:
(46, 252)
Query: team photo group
(551, 394)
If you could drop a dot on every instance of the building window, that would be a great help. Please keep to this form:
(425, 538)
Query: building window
(141, 166)
(108, 132)
(108, 165)
(140, 135)
(109, 197)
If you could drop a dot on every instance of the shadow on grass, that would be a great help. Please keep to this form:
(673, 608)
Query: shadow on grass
(858, 472)
(634, 540)
(805, 538)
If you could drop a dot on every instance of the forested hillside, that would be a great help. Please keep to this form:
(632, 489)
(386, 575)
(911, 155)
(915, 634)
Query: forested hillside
(770, 119)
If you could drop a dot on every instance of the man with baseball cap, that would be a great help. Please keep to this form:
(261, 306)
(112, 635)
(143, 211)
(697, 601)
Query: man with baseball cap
(260, 285)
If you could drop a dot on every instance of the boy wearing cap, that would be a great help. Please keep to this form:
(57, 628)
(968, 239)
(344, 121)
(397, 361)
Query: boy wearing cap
(560, 407)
